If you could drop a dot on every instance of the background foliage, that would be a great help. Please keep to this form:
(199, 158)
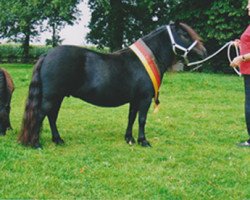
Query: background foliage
(117, 23)
(217, 22)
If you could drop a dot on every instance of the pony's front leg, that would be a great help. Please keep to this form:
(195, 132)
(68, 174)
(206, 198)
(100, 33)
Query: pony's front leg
(143, 110)
(131, 119)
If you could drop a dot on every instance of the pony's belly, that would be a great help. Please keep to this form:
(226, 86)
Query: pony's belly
(106, 104)
(104, 100)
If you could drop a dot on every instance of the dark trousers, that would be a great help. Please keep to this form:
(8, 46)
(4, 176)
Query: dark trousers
(247, 101)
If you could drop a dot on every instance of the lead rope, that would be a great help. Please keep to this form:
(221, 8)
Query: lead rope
(229, 58)
(228, 45)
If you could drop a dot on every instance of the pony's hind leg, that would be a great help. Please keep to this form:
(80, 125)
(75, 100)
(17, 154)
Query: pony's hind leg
(52, 116)
(131, 119)
(47, 108)
(35, 138)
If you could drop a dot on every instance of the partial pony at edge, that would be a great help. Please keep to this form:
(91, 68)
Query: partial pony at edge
(30, 129)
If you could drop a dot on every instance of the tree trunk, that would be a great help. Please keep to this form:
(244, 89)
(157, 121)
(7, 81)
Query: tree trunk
(116, 25)
(54, 41)
(26, 49)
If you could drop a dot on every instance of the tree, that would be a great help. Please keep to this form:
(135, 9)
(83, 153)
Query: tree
(115, 23)
(98, 25)
(20, 21)
(59, 13)
(54, 41)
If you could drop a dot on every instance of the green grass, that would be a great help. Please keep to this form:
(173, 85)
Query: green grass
(194, 153)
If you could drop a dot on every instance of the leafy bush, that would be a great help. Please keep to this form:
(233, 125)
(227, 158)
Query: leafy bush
(217, 22)
(10, 51)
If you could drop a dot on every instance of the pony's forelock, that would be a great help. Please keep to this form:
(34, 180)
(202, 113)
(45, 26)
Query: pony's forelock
(192, 33)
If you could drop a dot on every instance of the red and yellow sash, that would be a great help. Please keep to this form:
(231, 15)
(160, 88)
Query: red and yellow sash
(149, 62)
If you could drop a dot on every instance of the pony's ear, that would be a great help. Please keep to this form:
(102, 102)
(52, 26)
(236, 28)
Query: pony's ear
(177, 23)
(9, 81)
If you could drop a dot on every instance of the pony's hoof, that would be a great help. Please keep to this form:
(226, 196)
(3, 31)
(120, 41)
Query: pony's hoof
(144, 143)
(58, 141)
(37, 146)
(130, 140)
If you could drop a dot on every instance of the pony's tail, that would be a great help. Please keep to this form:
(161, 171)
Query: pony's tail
(30, 129)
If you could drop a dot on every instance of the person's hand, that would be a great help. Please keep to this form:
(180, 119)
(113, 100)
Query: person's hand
(237, 43)
(236, 61)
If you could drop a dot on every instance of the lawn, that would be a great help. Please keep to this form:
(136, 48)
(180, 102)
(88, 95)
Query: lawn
(193, 156)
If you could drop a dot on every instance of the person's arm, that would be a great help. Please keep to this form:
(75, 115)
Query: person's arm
(242, 58)
(245, 57)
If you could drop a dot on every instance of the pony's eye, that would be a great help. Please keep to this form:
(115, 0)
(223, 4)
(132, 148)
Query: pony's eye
(185, 38)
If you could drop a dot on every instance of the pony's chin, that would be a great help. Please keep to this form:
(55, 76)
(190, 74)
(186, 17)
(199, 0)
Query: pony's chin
(2, 133)
(177, 67)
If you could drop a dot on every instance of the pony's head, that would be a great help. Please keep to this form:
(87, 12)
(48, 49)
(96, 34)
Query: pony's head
(6, 90)
(186, 43)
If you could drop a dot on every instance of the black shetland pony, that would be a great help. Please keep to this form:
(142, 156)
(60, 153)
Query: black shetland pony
(107, 80)
(6, 90)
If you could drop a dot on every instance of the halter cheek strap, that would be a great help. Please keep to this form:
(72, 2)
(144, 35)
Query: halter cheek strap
(175, 45)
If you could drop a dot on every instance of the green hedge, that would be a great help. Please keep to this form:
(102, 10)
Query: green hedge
(13, 53)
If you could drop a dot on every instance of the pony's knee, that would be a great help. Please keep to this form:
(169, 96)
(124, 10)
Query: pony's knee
(142, 121)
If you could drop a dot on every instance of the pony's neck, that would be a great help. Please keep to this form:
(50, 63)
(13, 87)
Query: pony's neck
(160, 44)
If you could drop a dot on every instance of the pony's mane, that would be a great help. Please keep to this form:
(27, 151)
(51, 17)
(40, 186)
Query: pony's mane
(192, 33)
(151, 34)
(155, 32)
(9, 81)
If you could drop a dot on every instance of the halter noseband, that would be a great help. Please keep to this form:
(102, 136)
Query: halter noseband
(175, 45)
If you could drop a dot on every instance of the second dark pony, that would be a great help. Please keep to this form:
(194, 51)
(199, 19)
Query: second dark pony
(107, 80)
(6, 90)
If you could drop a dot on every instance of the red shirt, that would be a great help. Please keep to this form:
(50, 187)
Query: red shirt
(244, 49)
